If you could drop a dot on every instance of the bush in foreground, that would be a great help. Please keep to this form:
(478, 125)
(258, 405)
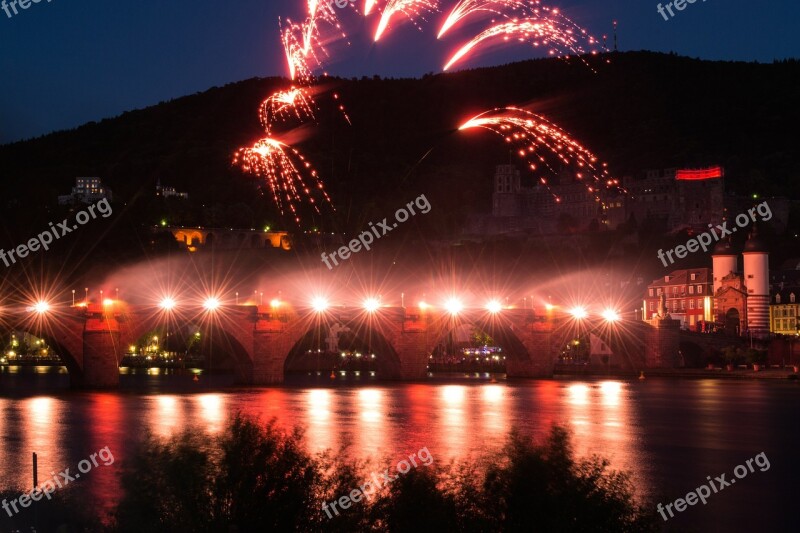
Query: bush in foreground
(259, 478)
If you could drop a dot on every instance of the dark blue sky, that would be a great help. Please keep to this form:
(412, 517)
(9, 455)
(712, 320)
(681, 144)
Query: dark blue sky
(67, 62)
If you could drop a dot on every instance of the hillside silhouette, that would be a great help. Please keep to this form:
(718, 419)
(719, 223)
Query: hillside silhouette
(634, 110)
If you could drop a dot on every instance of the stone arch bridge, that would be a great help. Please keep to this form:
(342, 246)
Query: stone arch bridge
(92, 340)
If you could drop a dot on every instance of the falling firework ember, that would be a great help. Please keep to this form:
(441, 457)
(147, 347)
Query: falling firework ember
(282, 105)
(283, 168)
(549, 28)
(538, 140)
(412, 9)
(466, 8)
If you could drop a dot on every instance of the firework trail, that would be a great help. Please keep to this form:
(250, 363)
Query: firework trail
(282, 168)
(412, 9)
(368, 5)
(542, 26)
(282, 105)
(550, 28)
(466, 8)
(539, 140)
(287, 174)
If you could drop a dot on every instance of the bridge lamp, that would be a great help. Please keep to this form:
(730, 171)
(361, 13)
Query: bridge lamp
(423, 306)
(275, 303)
(211, 304)
(371, 305)
(167, 304)
(108, 302)
(610, 315)
(41, 307)
(453, 306)
(578, 313)
(320, 304)
(494, 306)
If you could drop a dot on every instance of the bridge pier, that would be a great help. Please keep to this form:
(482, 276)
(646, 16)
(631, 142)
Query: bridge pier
(663, 344)
(269, 354)
(413, 350)
(538, 362)
(101, 346)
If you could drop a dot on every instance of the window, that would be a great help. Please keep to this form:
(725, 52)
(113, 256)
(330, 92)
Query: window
(651, 293)
(658, 292)
(699, 289)
(791, 298)
(693, 276)
(674, 291)
(683, 305)
(777, 298)
(699, 304)
(691, 304)
(691, 289)
(652, 307)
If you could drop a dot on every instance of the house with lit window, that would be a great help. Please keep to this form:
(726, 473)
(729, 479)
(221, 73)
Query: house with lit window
(87, 191)
(689, 294)
(784, 310)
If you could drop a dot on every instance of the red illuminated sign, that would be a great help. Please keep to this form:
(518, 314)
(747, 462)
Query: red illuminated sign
(704, 174)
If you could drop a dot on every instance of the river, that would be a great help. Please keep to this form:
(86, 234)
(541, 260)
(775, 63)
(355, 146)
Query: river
(670, 434)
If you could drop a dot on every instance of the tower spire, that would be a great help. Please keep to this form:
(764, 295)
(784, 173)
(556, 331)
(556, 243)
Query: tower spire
(615, 35)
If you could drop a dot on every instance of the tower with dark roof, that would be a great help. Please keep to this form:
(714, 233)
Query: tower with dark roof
(756, 279)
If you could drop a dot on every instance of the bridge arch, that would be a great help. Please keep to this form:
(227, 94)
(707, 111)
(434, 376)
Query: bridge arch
(355, 333)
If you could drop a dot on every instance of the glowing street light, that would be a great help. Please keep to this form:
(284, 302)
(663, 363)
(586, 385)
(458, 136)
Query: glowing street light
(578, 312)
(41, 307)
(275, 303)
(371, 305)
(610, 315)
(108, 302)
(453, 306)
(167, 304)
(423, 306)
(211, 304)
(320, 304)
(494, 306)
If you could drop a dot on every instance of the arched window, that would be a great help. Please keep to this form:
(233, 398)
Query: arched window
(777, 298)
(791, 297)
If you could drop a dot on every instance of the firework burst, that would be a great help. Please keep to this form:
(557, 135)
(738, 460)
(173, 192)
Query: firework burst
(559, 34)
(282, 105)
(412, 9)
(288, 175)
(466, 8)
(538, 141)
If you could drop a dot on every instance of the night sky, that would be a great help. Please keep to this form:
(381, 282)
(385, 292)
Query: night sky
(67, 62)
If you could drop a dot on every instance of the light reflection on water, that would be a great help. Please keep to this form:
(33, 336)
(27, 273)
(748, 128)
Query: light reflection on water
(453, 421)
(659, 430)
